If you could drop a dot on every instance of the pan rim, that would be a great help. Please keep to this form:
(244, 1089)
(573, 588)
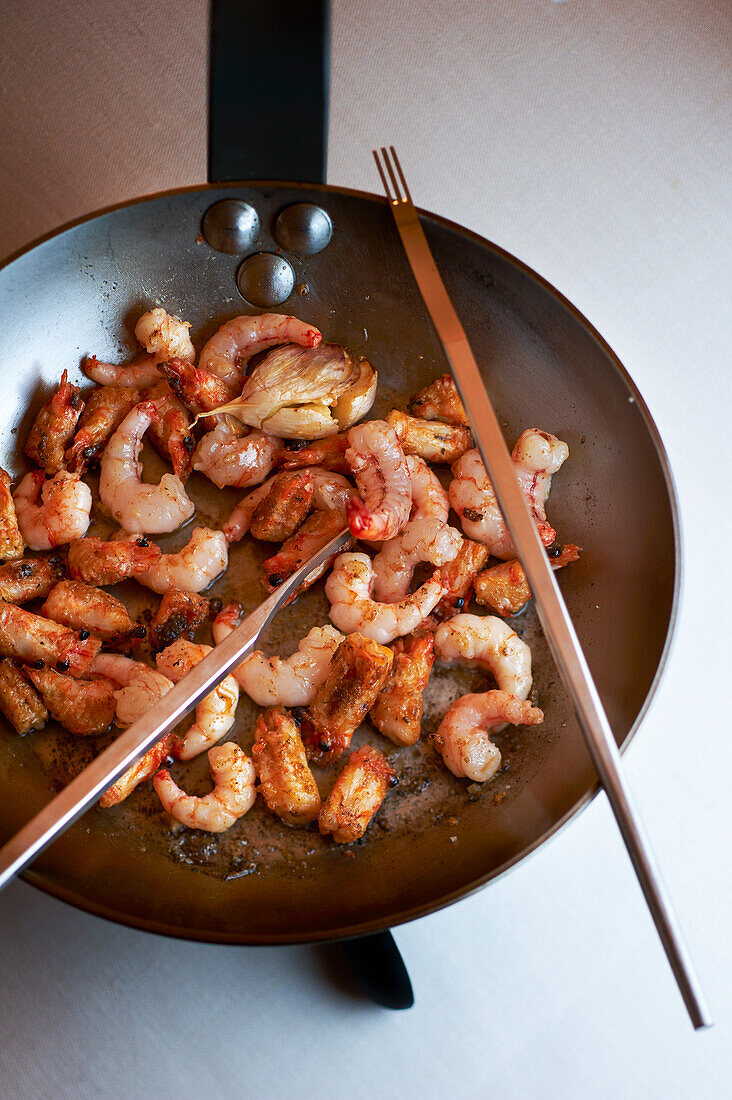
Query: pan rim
(367, 927)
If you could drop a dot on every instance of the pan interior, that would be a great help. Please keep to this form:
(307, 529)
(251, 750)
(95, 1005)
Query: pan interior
(435, 838)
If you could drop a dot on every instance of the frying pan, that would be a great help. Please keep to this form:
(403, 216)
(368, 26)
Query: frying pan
(80, 290)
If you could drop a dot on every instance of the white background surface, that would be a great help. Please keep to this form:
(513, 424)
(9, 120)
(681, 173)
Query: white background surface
(592, 140)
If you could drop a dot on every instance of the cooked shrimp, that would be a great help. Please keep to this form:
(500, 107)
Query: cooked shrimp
(277, 681)
(349, 590)
(439, 401)
(194, 567)
(95, 561)
(286, 782)
(422, 540)
(504, 588)
(138, 507)
(144, 688)
(397, 712)
(179, 613)
(234, 456)
(536, 456)
(171, 432)
(458, 577)
(54, 427)
(286, 505)
(29, 578)
(35, 640)
(429, 499)
(429, 439)
(328, 453)
(11, 540)
(487, 642)
(63, 514)
(106, 407)
(83, 707)
(162, 336)
(382, 476)
(230, 349)
(239, 522)
(145, 768)
(19, 701)
(199, 391)
(216, 712)
(82, 607)
(316, 532)
(463, 737)
(233, 795)
(356, 673)
(356, 796)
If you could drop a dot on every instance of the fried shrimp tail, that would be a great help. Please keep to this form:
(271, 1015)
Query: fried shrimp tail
(54, 427)
(83, 607)
(286, 505)
(29, 578)
(11, 540)
(463, 737)
(286, 782)
(35, 640)
(96, 562)
(397, 712)
(440, 401)
(106, 408)
(356, 796)
(19, 701)
(356, 673)
(83, 707)
(428, 439)
(179, 613)
(233, 795)
(504, 588)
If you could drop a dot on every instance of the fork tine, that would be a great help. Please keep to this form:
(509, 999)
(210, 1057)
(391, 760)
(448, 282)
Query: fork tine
(383, 176)
(392, 174)
(401, 174)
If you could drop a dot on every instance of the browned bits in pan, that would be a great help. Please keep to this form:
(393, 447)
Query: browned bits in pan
(29, 578)
(440, 401)
(430, 440)
(19, 701)
(106, 408)
(95, 561)
(83, 607)
(329, 453)
(145, 768)
(504, 588)
(357, 672)
(33, 639)
(11, 540)
(83, 707)
(285, 506)
(287, 784)
(397, 712)
(179, 614)
(172, 432)
(54, 427)
(356, 795)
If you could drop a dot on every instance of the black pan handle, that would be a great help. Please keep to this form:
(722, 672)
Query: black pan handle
(379, 969)
(268, 90)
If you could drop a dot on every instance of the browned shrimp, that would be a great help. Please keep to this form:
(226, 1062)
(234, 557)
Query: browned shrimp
(81, 606)
(36, 640)
(172, 432)
(145, 768)
(106, 408)
(11, 540)
(285, 506)
(317, 530)
(356, 795)
(397, 712)
(29, 578)
(430, 440)
(19, 701)
(83, 707)
(179, 615)
(440, 401)
(356, 674)
(95, 561)
(54, 427)
(199, 391)
(458, 576)
(287, 784)
(504, 588)
(329, 453)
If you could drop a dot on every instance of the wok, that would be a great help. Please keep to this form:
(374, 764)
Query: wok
(79, 292)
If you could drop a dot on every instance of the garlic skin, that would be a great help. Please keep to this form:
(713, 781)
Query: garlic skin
(305, 393)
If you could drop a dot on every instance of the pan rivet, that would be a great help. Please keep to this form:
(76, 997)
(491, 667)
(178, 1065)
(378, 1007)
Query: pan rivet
(304, 228)
(231, 226)
(265, 279)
